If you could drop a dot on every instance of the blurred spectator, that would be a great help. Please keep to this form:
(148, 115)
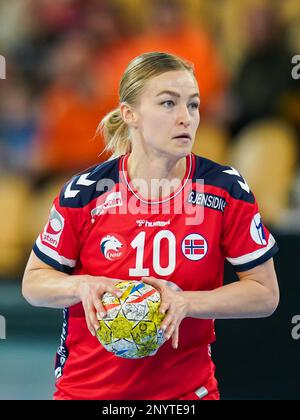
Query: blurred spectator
(16, 24)
(57, 16)
(264, 77)
(115, 48)
(70, 110)
(290, 12)
(17, 126)
(168, 30)
(104, 23)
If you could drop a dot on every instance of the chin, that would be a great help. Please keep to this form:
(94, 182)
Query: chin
(183, 150)
(177, 152)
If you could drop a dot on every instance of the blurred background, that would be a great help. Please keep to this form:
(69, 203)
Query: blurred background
(64, 60)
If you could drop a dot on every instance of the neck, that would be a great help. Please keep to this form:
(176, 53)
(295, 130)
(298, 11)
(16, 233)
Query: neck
(167, 173)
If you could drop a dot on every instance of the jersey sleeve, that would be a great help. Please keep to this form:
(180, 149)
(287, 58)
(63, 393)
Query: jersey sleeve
(58, 244)
(246, 242)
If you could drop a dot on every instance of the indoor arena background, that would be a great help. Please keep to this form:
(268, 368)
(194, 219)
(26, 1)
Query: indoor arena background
(60, 63)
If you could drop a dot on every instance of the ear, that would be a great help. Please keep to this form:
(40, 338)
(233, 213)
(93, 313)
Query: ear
(128, 114)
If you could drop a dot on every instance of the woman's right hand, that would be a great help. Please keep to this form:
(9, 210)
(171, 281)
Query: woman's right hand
(90, 290)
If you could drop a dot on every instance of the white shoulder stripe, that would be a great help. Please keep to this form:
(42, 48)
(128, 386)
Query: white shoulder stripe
(54, 254)
(244, 259)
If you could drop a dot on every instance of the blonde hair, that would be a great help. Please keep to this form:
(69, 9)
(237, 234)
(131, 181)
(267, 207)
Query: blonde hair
(142, 68)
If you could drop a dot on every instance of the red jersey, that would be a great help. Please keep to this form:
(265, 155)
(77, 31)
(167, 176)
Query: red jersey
(100, 226)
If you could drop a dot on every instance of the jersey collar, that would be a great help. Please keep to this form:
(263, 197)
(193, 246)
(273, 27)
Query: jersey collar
(187, 176)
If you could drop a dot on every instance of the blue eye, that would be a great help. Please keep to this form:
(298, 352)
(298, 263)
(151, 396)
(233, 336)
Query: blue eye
(168, 104)
(194, 105)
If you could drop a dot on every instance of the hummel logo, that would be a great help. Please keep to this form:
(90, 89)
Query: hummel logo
(157, 223)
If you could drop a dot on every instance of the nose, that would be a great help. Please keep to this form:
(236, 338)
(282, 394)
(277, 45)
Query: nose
(183, 117)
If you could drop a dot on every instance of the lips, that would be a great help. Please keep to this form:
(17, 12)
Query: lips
(183, 136)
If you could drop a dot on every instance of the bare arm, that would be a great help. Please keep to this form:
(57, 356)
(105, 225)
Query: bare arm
(44, 286)
(255, 295)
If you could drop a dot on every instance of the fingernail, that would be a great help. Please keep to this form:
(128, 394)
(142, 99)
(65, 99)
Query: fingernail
(119, 294)
(93, 333)
(102, 314)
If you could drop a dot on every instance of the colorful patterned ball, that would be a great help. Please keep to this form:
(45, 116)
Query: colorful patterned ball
(131, 327)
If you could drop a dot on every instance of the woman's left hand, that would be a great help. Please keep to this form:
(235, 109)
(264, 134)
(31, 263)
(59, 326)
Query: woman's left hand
(173, 304)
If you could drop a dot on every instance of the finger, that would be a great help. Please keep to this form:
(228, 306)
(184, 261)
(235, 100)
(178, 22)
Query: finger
(165, 305)
(92, 317)
(112, 289)
(153, 282)
(109, 285)
(99, 307)
(170, 322)
(115, 281)
(115, 291)
(165, 325)
(175, 338)
(170, 329)
(87, 318)
(160, 286)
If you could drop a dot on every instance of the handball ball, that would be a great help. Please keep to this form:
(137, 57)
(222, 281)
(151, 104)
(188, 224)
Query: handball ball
(131, 327)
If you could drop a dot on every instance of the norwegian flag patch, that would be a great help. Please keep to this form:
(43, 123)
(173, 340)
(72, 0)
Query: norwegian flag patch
(194, 247)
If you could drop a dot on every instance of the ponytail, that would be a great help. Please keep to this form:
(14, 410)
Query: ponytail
(116, 134)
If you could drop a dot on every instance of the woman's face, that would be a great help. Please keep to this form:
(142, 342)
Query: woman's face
(167, 113)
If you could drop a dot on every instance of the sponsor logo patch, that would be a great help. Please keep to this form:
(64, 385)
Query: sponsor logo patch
(257, 230)
(54, 228)
(113, 199)
(207, 200)
(113, 246)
